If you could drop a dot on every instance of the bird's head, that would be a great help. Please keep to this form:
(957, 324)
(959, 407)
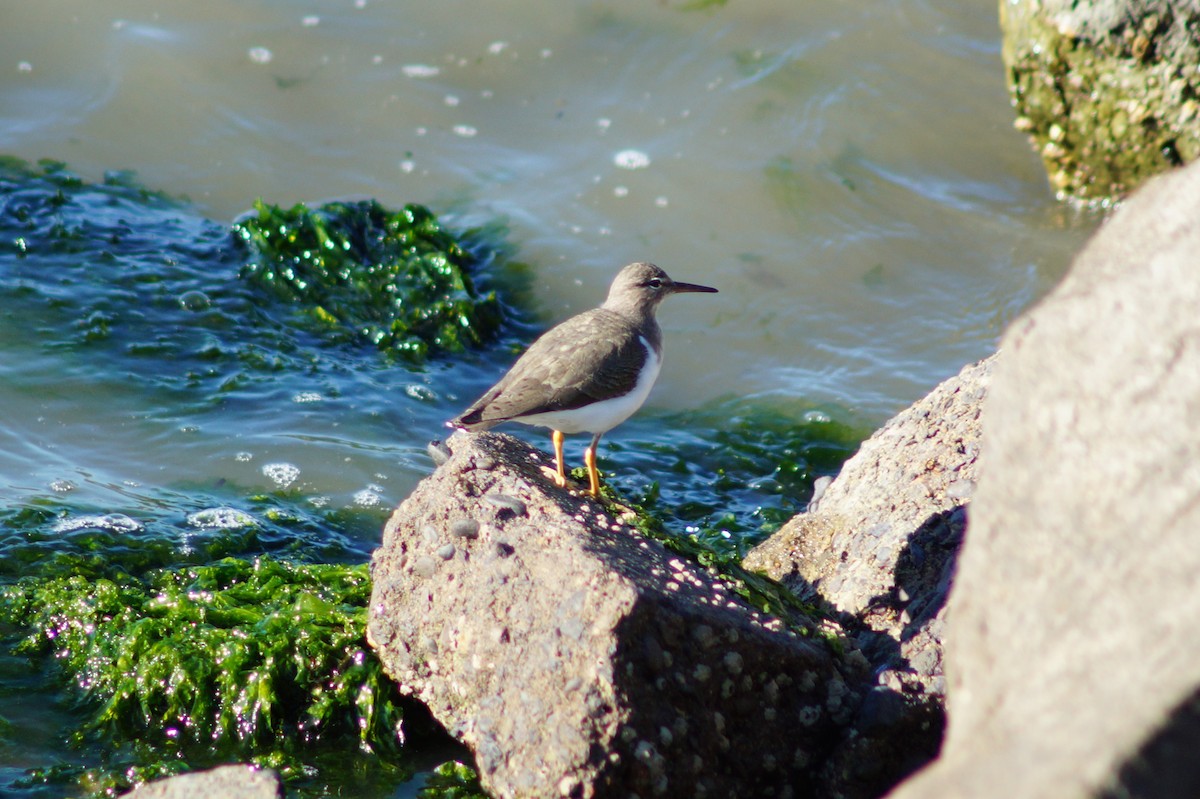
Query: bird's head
(642, 286)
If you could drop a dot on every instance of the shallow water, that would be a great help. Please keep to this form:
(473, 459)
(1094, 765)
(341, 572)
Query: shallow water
(846, 173)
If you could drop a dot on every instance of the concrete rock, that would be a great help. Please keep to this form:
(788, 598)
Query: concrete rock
(1073, 664)
(224, 782)
(578, 659)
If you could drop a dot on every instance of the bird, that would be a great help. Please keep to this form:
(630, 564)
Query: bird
(589, 373)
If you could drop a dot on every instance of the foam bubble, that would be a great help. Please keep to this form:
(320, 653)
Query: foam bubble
(112, 522)
(367, 498)
(281, 474)
(420, 70)
(224, 518)
(631, 159)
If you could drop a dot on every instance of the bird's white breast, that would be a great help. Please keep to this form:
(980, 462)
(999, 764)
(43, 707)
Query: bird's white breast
(600, 417)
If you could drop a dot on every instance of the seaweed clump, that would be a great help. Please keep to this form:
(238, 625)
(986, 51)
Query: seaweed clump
(395, 279)
(258, 660)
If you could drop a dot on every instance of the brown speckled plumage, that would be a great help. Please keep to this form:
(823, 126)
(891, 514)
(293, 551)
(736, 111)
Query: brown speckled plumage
(588, 373)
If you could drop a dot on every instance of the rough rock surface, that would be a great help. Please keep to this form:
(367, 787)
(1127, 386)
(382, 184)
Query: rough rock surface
(1073, 663)
(879, 545)
(224, 782)
(1108, 89)
(577, 658)
(879, 548)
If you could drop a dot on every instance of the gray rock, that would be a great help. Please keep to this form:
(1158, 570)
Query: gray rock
(224, 782)
(879, 550)
(577, 658)
(1073, 661)
(880, 547)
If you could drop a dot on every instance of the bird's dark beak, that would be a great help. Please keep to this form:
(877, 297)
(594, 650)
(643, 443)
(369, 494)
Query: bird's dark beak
(685, 288)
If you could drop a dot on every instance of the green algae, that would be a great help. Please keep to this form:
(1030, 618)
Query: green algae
(751, 471)
(123, 273)
(164, 642)
(260, 660)
(452, 780)
(1107, 103)
(395, 279)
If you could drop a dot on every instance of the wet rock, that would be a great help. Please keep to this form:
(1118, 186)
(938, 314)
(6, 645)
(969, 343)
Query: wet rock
(577, 658)
(224, 782)
(1070, 638)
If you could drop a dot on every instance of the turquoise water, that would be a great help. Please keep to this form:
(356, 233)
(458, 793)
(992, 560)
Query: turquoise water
(846, 174)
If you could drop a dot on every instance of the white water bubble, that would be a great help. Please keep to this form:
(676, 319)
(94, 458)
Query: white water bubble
(367, 498)
(260, 55)
(631, 159)
(244, 457)
(466, 131)
(194, 301)
(817, 417)
(420, 70)
(222, 518)
(111, 522)
(281, 474)
(307, 396)
(420, 392)
(61, 486)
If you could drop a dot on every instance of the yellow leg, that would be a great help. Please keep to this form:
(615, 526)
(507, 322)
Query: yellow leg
(557, 437)
(589, 457)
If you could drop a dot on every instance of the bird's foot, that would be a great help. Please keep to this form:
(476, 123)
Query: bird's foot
(560, 480)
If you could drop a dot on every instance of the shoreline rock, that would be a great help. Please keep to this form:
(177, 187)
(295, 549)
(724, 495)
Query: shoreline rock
(878, 551)
(577, 658)
(1107, 90)
(1074, 670)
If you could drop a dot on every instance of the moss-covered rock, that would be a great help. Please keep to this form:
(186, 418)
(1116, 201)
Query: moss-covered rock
(1108, 91)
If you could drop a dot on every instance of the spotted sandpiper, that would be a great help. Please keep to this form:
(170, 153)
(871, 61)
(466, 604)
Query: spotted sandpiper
(589, 373)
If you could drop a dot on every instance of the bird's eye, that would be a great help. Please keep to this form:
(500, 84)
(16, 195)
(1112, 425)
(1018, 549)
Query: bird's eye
(654, 283)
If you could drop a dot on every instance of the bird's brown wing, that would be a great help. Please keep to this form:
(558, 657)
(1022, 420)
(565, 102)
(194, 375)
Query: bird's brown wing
(558, 371)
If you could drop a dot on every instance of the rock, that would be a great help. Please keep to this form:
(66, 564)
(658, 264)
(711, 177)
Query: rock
(577, 658)
(1107, 89)
(1073, 663)
(881, 545)
(223, 782)
(879, 550)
